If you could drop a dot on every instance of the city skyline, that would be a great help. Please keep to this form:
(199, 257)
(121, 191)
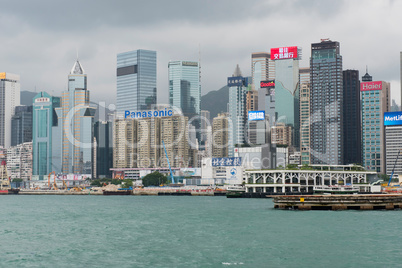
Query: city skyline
(350, 23)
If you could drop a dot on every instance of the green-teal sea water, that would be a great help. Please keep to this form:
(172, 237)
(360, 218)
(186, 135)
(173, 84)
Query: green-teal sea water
(173, 231)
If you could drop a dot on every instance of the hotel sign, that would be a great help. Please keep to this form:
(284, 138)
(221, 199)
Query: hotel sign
(376, 85)
(282, 53)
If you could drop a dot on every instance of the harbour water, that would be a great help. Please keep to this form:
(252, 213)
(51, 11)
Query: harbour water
(185, 231)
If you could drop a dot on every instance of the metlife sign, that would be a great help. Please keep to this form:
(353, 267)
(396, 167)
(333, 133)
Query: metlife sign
(256, 115)
(393, 119)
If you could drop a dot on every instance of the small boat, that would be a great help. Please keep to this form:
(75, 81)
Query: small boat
(336, 189)
(235, 191)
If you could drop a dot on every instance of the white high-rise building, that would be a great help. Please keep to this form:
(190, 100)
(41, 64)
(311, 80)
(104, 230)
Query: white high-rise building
(9, 98)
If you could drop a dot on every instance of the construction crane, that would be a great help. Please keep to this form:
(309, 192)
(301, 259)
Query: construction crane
(48, 179)
(171, 173)
(390, 178)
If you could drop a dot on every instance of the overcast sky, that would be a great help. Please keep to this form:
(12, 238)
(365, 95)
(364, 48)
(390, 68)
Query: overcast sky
(40, 38)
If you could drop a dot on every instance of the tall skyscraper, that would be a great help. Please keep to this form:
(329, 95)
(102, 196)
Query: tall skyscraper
(136, 80)
(326, 103)
(305, 115)
(375, 102)
(21, 125)
(103, 150)
(351, 118)
(237, 109)
(77, 118)
(263, 70)
(9, 99)
(184, 87)
(46, 145)
(287, 89)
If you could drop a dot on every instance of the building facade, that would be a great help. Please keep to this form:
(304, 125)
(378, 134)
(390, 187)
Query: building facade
(262, 72)
(141, 142)
(77, 118)
(237, 109)
(304, 115)
(287, 89)
(220, 136)
(103, 150)
(351, 118)
(46, 144)
(393, 146)
(19, 161)
(282, 134)
(326, 104)
(136, 80)
(375, 101)
(21, 125)
(9, 99)
(185, 87)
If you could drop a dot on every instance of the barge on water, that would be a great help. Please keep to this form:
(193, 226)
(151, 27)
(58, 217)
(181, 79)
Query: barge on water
(339, 202)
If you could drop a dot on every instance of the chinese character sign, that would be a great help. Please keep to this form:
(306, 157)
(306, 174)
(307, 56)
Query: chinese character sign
(282, 53)
(226, 161)
(256, 115)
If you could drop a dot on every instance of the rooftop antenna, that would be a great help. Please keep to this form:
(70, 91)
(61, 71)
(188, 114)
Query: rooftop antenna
(366, 69)
(76, 49)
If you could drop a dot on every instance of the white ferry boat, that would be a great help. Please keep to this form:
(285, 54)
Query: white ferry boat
(336, 189)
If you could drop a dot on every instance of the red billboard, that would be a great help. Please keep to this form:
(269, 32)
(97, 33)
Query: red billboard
(267, 84)
(282, 53)
(375, 85)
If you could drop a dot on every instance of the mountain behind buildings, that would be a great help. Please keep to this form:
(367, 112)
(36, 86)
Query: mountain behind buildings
(215, 101)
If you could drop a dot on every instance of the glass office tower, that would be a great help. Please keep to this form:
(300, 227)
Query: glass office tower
(43, 119)
(351, 118)
(136, 80)
(326, 104)
(184, 87)
(21, 125)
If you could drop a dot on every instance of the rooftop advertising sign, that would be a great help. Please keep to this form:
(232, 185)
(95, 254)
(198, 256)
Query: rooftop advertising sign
(226, 161)
(376, 85)
(237, 81)
(393, 119)
(256, 115)
(42, 100)
(144, 114)
(282, 53)
(267, 84)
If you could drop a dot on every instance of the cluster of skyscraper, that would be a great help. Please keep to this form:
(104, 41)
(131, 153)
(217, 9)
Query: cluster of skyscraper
(319, 114)
(322, 112)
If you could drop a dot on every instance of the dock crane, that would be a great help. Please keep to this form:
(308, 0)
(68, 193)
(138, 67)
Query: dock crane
(171, 173)
(393, 169)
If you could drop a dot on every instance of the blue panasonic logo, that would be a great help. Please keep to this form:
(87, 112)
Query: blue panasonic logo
(145, 114)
